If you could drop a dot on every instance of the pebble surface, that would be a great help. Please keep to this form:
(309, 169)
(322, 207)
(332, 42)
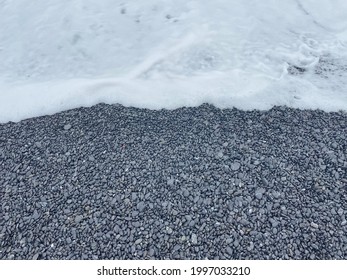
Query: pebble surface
(111, 182)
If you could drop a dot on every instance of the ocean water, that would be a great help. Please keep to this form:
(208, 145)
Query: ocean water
(62, 54)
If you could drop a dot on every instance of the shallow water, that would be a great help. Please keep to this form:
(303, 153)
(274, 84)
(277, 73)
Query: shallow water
(154, 54)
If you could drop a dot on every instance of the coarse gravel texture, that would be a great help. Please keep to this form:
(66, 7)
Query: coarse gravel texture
(111, 182)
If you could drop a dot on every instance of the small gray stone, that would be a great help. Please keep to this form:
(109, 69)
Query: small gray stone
(265, 181)
(276, 194)
(73, 232)
(273, 222)
(323, 167)
(220, 154)
(192, 223)
(314, 225)
(229, 251)
(138, 241)
(194, 239)
(38, 144)
(141, 206)
(188, 217)
(67, 126)
(235, 166)
(36, 215)
(236, 243)
(251, 246)
(259, 193)
(165, 204)
(197, 180)
(169, 230)
(229, 241)
(136, 224)
(260, 190)
(151, 252)
(170, 182)
(78, 218)
(185, 192)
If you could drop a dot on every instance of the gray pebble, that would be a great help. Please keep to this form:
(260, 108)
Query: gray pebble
(151, 252)
(171, 182)
(236, 243)
(314, 225)
(273, 222)
(36, 215)
(78, 218)
(251, 246)
(38, 144)
(141, 206)
(185, 192)
(220, 154)
(259, 193)
(194, 238)
(229, 251)
(138, 241)
(235, 166)
(276, 194)
(67, 126)
(136, 224)
(229, 241)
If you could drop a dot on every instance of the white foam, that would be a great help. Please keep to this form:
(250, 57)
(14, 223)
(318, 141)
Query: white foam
(59, 54)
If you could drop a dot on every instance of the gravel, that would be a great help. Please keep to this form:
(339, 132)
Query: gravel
(110, 182)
